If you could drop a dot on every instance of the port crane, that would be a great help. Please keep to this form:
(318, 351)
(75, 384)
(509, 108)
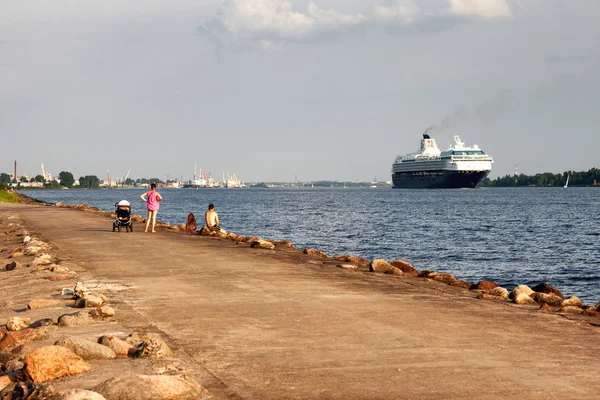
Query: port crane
(126, 176)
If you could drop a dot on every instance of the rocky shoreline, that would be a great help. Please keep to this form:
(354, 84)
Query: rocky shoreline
(58, 338)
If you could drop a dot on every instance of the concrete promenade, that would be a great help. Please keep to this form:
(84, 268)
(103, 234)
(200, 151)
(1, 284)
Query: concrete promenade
(260, 324)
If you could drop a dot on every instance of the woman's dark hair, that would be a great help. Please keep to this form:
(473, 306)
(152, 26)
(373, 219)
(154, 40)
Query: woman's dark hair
(211, 206)
(191, 218)
(153, 186)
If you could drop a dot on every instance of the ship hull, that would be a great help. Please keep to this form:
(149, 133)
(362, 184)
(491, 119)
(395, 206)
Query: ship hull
(442, 179)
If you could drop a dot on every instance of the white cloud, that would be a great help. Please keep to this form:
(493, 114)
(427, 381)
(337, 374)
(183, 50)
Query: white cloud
(481, 8)
(404, 11)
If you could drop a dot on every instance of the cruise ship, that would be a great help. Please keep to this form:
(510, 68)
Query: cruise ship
(458, 166)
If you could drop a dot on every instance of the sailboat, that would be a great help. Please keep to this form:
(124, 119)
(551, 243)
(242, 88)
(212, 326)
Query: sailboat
(567, 182)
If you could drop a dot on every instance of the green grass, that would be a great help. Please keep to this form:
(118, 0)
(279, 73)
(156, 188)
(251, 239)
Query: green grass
(7, 197)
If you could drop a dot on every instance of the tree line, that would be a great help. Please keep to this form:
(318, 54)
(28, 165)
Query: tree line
(576, 178)
(66, 179)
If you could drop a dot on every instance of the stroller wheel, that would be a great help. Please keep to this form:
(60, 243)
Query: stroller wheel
(114, 226)
(130, 228)
(119, 228)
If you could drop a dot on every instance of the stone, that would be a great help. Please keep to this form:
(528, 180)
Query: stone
(52, 362)
(551, 299)
(548, 289)
(205, 231)
(284, 243)
(571, 310)
(381, 265)
(118, 346)
(499, 291)
(313, 252)
(152, 348)
(524, 299)
(80, 394)
(75, 319)
(42, 322)
(521, 289)
(4, 383)
(445, 278)
(17, 323)
(427, 274)
(350, 267)
(462, 284)
(13, 365)
(152, 387)
(231, 236)
(58, 268)
(572, 301)
(487, 296)
(15, 338)
(405, 267)
(34, 247)
(66, 292)
(80, 289)
(27, 239)
(262, 244)
(12, 266)
(545, 308)
(35, 304)
(90, 301)
(133, 339)
(16, 254)
(485, 286)
(87, 349)
(103, 312)
(42, 260)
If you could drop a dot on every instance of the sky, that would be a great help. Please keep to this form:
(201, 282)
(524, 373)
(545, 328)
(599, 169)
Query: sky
(275, 90)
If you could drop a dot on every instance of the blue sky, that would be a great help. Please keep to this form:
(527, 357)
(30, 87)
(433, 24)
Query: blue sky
(271, 89)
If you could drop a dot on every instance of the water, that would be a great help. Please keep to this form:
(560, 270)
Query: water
(508, 235)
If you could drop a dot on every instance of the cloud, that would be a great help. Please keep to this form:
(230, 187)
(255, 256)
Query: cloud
(269, 24)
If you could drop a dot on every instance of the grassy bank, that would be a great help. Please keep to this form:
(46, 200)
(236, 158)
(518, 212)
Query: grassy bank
(8, 197)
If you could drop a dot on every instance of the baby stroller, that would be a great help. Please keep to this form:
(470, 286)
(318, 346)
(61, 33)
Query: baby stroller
(123, 211)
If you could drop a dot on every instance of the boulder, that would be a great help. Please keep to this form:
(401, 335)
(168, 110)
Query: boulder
(487, 296)
(381, 265)
(52, 362)
(484, 285)
(571, 310)
(134, 339)
(87, 349)
(12, 266)
(120, 347)
(13, 365)
(16, 254)
(231, 236)
(545, 308)
(321, 254)
(499, 291)
(80, 394)
(405, 267)
(462, 284)
(58, 268)
(548, 289)
(27, 239)
(521, 289)
(17, 323)
(572, 301)
(152, 387)
(42, 322)
(285, 244)
(4, 383)
(262, 244)
(152, 348)
(90, 301)
(42, 260)
(524, 299)
(445, 278)
(35, 304)
(427, 274)
(350, 267)
(313, 252)
(550, 299)
(75, 319)
(205, 231)
(103, 312)
(15, 338)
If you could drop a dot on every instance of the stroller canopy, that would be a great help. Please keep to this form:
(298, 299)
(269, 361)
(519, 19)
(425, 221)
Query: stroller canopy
(124, 203)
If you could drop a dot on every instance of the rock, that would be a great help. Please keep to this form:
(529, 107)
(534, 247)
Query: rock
(4, 383)
(133, 339)
(152, 387)
(405, 267)
(571, 310)
(17, 323)
(551, 299)
(52, 362)
(34, 247)
(284, 243)
(572, 301)
(231, 236)
(42, 322)
(59, 204)
(12, 266)
(381, 265)
(205, 231)
(152, 348)
(545, 308)
(80, 290)
(427, 274)
(15, 338)
(80, 394)
(13, 365)
(90, 301)
(42, 260)
(75, 319)
(484, 285)
(35, 304)
(350, 267)
(262, 244)
(58, 268)
(87, 349)
(27, 239)
(545, 288)
(487, 296)
(499, 291)
(521, 289)
(103, 312)
(524, 299)
(118, 346)
(16, 254)
(66, 292)
(462, 284)
(445, 278)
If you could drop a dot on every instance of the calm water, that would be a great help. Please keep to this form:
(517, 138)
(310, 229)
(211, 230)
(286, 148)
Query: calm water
(507, 235)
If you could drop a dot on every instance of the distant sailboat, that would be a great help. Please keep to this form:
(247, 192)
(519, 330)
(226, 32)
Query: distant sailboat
(567, 182)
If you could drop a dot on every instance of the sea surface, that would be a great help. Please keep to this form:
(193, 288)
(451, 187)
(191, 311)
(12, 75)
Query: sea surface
(508, 235)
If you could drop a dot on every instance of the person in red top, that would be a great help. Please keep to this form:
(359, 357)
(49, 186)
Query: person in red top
(152, 197)
(190, 225)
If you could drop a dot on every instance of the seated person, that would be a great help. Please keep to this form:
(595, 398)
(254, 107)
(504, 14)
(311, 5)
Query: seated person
(212, 218)
(190, 225)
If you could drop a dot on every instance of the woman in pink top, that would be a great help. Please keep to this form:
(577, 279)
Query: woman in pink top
(152, 197)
